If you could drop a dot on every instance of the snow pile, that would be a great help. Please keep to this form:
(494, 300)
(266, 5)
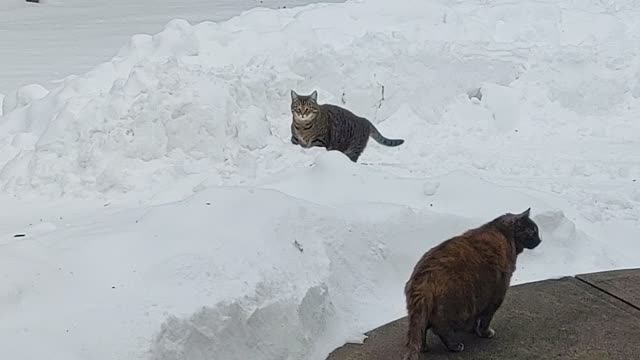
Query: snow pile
(290, 278)
(194, 102)
(72, 36)
(241, 245)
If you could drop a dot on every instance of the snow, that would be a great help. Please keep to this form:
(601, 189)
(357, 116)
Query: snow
(91, 32)
(167, 216)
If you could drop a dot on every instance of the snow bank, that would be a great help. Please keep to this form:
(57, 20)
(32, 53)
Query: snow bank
(210, 101)
(289, 278)
(502, 107)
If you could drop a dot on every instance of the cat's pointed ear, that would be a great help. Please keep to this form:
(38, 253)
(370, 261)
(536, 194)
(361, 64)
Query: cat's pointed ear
(524, 214)
(314, 96)
(510, 219)
(294, 95)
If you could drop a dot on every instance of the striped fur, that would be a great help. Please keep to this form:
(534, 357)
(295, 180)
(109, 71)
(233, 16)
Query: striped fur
(332, 127)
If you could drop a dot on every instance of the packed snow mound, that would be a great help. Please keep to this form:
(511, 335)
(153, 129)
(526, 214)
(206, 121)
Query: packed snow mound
(23, 96)
(242, 272)
(210, 102)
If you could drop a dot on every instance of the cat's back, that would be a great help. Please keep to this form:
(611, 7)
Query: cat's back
(340, 114)
(466, 257)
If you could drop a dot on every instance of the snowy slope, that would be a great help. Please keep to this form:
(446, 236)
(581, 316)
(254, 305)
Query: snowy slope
(231, 273)
(167, 216)
(89, 32)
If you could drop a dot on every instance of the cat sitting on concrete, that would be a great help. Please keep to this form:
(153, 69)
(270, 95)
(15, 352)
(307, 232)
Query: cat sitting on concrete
(461, 283)
(331, 127)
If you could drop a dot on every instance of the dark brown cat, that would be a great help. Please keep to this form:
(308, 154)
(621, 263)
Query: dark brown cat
(461, 283)
(331, 127)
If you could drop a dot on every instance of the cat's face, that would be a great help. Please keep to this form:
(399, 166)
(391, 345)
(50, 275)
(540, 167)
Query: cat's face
(526, 231)
(304, 108)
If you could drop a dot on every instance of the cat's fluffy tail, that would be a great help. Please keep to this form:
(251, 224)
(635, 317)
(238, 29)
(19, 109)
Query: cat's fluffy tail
(419, 307)
(375, 134)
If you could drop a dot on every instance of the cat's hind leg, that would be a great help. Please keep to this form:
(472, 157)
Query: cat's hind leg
(356, 150)
(353, 156)
(447, 336)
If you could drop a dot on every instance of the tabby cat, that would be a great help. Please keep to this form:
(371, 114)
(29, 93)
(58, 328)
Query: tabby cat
(461, 283)
(331, 127)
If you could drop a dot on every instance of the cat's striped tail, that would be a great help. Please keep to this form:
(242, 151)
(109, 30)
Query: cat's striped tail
(375, 134)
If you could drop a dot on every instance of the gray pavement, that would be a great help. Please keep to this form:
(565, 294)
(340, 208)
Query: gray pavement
(590, 317)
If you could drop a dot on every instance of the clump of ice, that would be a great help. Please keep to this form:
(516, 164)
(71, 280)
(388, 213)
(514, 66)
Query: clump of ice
(23, 96)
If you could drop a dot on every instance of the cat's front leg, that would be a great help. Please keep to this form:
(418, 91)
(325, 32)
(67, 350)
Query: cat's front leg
(483, 329)
(294, 140)
(318, 143)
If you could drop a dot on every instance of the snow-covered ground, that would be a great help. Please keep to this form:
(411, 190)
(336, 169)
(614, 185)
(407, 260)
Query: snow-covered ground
(43, 43)
(168, 217)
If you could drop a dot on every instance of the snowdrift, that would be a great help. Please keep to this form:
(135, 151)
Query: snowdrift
(204, 234)
(461, 82)
(237, 272)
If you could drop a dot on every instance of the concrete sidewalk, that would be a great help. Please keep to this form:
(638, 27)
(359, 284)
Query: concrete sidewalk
(591, 316)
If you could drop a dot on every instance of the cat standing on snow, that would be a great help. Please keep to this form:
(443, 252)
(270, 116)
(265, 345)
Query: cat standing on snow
(461, 283)
(331, 127)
